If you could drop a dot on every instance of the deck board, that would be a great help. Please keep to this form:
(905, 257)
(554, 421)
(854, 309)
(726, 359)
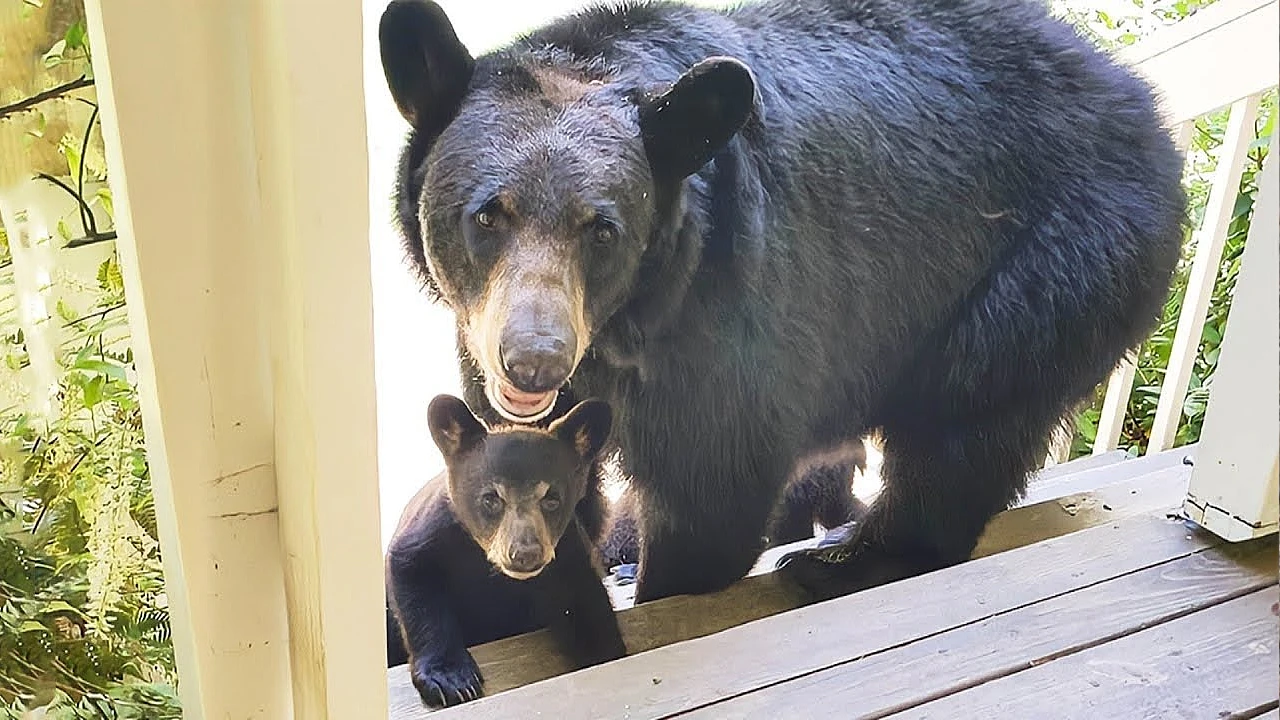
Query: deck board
(1217, 663)
(698, 672)
(1092, 476)
(519, 661)
(912, 675)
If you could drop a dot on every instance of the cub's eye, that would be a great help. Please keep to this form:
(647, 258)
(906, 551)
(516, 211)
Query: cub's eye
(484, 218)
(551, 502)
(603, 232)
(491, 503)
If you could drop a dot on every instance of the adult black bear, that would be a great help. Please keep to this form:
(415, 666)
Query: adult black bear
(493, 548)
(760, 231)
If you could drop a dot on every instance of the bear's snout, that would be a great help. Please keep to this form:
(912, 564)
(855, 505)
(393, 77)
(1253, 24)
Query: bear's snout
(537, 362)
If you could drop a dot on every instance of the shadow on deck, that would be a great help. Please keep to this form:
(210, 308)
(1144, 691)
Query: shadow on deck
(1088, 599)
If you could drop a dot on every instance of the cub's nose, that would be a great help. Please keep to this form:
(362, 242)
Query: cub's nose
(536, 364)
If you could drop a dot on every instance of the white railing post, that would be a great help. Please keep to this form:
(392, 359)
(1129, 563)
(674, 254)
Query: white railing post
(1234, 490)
(235, 139)
(1210, 242)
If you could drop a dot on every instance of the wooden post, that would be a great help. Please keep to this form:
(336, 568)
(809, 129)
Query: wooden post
(236, 145)
(1234, 489)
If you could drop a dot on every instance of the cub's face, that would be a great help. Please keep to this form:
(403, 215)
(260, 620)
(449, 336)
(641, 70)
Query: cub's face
(514, 490)
(529, 192)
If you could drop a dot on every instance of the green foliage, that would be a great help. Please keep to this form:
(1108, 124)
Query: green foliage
(84, 621)
(84, 627)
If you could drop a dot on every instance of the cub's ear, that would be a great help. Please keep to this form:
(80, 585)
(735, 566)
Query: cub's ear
(453, 427)
(697, 116)
(427, 68)
(586, 427)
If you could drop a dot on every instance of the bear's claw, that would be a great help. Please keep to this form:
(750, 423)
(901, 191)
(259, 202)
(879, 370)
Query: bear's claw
(441, 683)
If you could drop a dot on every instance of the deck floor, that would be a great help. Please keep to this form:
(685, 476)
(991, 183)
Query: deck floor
(1140, 616)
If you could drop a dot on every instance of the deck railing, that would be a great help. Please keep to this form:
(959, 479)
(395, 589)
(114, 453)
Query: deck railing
(261, 428)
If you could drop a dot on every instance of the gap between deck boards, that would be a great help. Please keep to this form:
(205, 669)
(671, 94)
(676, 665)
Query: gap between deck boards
(515, 662)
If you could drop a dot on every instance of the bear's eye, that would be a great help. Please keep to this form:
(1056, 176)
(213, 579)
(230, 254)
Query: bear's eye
(491, 503)
(603, 232)
(551, 502)
(484, 218)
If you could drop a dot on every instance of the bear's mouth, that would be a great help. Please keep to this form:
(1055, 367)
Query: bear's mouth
(518, 575)
(517, 405)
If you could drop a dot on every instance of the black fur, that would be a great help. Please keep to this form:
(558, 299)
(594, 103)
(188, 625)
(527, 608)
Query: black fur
(943, 219)
(444, 594)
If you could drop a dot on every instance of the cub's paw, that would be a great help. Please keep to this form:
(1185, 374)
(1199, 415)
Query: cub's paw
(447, 681)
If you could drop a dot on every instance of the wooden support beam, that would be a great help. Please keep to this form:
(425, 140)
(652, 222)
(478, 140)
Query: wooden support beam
(1226, 51)
(1235, 488)
(236, 143)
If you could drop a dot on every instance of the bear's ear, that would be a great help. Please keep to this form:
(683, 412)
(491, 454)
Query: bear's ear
(453, 427)
(586, 427)
(427, 68)
(697, 116)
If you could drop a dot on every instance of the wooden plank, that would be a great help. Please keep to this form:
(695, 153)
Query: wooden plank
(1216, 663)
(1054, 518)
(690, 674)
(1210, 242)
(1097, 478)
(914, 674)
(1089, 462)
(1235, 490)
(519, 661)
(1224, 52)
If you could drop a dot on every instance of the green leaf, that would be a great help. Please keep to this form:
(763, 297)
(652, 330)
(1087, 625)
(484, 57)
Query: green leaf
(93, 391)
(32, 626)
(111, 370)
(103, 196)
(75, 36)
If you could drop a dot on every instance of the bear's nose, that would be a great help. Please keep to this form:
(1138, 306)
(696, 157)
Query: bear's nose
(536, 363)
(525, 557)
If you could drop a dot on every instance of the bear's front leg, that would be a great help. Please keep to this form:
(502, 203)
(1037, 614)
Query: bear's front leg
(440, 666)
(703, 525)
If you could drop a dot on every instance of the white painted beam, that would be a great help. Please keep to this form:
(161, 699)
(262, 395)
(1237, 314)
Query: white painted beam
(236, 147)
(1234, 489)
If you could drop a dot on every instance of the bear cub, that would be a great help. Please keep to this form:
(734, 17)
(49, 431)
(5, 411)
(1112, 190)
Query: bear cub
(494, 547)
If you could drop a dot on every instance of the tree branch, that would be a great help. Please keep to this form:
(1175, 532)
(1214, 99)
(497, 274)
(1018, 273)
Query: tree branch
(50, 94)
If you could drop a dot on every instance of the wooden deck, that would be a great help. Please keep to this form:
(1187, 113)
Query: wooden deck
(1088, 600)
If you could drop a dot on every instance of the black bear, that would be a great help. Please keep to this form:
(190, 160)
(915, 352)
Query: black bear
(822, 492)
(508, 499)
(761, 231)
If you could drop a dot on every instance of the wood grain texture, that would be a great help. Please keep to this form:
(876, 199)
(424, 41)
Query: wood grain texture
(1160, 490)
(1217, 663)
(519, 661)
(912, 675)
(690, 674)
